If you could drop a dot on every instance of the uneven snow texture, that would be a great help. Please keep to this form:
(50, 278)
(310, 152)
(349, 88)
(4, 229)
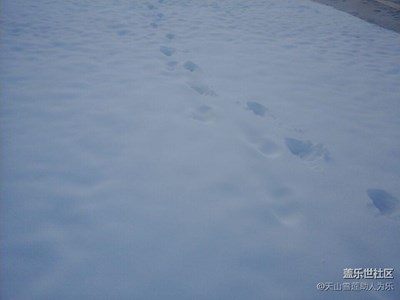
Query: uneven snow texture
(228, 149)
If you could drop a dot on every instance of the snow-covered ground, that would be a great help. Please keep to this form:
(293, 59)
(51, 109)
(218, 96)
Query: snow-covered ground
(182, 149)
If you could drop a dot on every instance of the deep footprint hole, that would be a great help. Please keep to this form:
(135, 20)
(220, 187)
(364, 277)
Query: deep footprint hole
(257, 108)
(299, 148)
(383, 201)
(307, 150)
(191, 66)
(168, 51)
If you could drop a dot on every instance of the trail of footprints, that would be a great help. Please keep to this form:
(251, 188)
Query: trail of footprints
(312, 154)
(194, 82)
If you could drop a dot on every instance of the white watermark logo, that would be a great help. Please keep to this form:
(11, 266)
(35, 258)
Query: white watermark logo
(368, 273)
(376, 279)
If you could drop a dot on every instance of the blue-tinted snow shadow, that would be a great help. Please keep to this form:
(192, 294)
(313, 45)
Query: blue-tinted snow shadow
(386, 203)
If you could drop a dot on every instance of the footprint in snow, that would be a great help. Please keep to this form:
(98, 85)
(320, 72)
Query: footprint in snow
(191, 66)
(123, 32)
(203, 90)
(307, 151)
(203, 113)
(257, 108)
(261, 111)
(275, 212)
(268, 148)
(284, 206)
(263, 145)
(168, 51)
(170, 36)
(387, 204)
(150, 6)
(199, 87)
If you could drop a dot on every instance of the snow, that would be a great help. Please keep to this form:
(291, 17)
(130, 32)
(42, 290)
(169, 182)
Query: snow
(229, 149)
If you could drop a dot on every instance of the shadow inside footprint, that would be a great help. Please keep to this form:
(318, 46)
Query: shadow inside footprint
(170, 36)
(191, 66)
(150, 6)
(203, 90)
(382, 200)
(307, 150)
(168, 51)
(257, 108)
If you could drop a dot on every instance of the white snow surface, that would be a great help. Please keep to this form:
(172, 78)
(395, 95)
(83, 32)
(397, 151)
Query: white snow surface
(184, 149)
